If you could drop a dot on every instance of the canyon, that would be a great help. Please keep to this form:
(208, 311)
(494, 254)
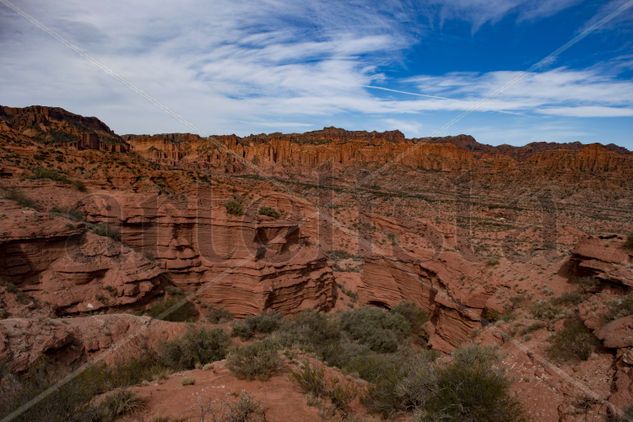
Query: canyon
(96, 228)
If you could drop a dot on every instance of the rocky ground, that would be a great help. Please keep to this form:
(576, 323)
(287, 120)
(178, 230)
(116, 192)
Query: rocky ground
(112, 247)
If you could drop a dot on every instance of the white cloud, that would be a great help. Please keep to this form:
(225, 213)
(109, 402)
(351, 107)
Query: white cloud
(272, 65)
(565, 92)
(481, 12)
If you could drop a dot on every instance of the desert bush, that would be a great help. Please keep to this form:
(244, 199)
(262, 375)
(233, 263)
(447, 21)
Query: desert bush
(396, 381)
(173, 308)
(547, 310)
(134, 371)
(416, 316)
(341, 394)
(619, 308)
(575, 341)
(217, 315)
(378, 329)
(69, 403)
(258, 324)
(71, 213)
(21, 199)
(258, 360)
(270, 212)
(569, 298)
(117, 404)
(471, 388)
(57, 176)
(187, 381)
(310, 378)
(196, 347)
(50, 174)
(106, 230)
(234, 207)
(246, 409)
(587, 284)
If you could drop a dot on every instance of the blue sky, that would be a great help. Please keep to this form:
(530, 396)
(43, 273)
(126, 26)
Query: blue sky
(428, 67)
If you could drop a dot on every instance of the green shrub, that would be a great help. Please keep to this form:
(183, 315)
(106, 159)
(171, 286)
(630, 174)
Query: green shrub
(106, 230)
(341, 394)
(187, 381)
(246, 409)
(50, 174)
(379, 329)
(471, 388)
(217, 315)
(270, 212)
(68, 403)
(258, 360)
(173, 308)
(118, 404)
(396, 381)
(71, 401)
(547, 310)
(71, 213)
(196, 347)
(416, 316)
(234, 207)
(258, 324)
(575, 341)
(569, 298)
(311, 379)
(619, 308)
(21, 199)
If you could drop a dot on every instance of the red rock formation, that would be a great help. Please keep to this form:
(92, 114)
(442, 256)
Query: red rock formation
(605, 259)
(435, 285)
(72, 340)
(57, 126)
(245, 264)
(60, 264)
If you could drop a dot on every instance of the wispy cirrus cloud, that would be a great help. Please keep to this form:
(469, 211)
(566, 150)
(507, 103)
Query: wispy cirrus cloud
(278, 65)
(593, 92)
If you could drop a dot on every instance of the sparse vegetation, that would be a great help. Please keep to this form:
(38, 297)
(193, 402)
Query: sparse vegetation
(196, 347)
(311, 379)
(619, 308)
(258, 324)
(270, 212)
(117, 404)
(187, 381)
(547, 310)
(173, 308)
(574, 342)
(472, 387)
(380, 330)
(217, 315)
(259, 360)
(57, 176)
(106, 230)
(22, 200)
(71, 213)
(234, 207)
(245, 409)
